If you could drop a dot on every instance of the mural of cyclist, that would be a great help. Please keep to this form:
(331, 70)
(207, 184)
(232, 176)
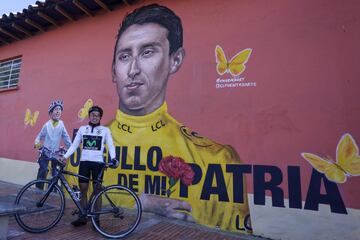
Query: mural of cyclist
(148, 50)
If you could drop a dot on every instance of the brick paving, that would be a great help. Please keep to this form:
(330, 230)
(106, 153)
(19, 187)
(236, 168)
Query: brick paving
(152, 227)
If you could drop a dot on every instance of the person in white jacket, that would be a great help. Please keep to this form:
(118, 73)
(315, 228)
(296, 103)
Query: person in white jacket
(92, 138)
(50, 137)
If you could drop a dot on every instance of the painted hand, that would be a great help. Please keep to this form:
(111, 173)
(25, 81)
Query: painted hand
(167, 207)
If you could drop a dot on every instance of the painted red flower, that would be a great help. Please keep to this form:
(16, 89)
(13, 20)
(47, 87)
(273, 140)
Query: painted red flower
(176, 168)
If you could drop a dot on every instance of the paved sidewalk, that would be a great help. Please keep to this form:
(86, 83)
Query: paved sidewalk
(151, 226)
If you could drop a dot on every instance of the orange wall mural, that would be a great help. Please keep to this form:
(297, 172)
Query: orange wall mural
(276, 81)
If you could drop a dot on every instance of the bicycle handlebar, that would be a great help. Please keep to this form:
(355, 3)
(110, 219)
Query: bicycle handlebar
(57, 155)
(62, 163)
(51, 153)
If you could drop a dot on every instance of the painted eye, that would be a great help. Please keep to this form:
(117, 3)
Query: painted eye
(148, 52)
(124, 57)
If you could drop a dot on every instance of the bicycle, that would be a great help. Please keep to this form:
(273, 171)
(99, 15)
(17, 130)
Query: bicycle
(119, 215)
(46, 153)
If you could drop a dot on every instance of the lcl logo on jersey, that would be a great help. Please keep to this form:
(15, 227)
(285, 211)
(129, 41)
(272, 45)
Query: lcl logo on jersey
(156, 126)
(124, 127)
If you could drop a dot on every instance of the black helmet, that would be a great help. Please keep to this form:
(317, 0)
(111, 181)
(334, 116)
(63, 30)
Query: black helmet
(96, 109)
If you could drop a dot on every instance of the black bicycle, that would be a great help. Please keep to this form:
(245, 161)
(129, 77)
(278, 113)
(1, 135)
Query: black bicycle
(119, 215)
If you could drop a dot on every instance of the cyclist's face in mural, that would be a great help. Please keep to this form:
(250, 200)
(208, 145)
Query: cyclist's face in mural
(142, 67)
(56, 114)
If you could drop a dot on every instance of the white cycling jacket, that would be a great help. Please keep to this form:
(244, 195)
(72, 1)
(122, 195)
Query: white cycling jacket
(93, 141)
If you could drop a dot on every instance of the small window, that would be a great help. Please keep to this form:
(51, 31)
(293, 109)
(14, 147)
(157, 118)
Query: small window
(9, 73)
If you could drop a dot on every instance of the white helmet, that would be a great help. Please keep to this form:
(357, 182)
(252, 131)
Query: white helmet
(54, 104)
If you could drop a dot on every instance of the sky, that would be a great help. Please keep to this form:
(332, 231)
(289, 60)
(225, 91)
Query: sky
(7, 6)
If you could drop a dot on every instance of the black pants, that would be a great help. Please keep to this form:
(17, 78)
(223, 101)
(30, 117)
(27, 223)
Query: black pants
(44, 169)
(90, 169)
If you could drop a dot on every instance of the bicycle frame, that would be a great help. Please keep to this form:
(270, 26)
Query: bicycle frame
(60, 176)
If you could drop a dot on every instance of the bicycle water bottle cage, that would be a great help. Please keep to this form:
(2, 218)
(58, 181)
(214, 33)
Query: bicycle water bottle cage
(77, 192)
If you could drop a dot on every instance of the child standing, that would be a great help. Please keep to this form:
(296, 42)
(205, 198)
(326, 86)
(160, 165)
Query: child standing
(50, 136)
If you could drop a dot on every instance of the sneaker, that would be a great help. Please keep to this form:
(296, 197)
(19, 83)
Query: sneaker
(79, 222)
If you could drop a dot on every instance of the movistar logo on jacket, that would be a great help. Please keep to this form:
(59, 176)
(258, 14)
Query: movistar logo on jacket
(91, 142)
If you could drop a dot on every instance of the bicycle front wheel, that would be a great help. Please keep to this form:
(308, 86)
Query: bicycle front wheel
(44, 206)
(116, 211)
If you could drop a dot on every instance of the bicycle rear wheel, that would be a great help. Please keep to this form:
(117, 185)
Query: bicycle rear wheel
(119, 214)
(44, 209)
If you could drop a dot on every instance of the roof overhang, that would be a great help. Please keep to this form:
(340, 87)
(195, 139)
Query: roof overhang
(46, 15)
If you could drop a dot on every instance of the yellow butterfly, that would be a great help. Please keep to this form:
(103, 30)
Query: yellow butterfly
(83, 112)
(235, 66)
(30, 119)
(347, 161)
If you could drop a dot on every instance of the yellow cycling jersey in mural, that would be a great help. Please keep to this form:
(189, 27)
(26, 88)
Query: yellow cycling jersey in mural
(217, 194)
(142, 141)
